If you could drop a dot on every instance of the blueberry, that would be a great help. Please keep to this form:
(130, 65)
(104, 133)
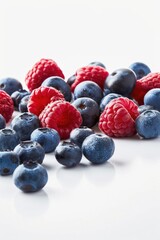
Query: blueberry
(121, 81)
(9, 161)
(10, 85)
(48, 138)
(30, 150)
(22, 107)
(148, 124)
(60, 84)
(140, 69)
(143, 108)
(105, 100)
(97, 63)
(68, 154)
(98, 148)
(17, 96)
(24, 124)
(152, 97)
(2, 122)
(89, 110)
(30, 177)
(71, 80)
(88, 89)
(8, 139)
(78, 135)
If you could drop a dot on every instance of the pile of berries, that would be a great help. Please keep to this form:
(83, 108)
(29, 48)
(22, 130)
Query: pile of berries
(58, 115)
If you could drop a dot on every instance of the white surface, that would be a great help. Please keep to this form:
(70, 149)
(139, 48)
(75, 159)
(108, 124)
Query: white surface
(117, 200)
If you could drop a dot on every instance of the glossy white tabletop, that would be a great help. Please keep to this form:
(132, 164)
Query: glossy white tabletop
(119, 200)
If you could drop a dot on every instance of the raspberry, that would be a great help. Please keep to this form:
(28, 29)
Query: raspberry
(96, 74)
(6, 105)
(61, 116)
(143, 85)
(118, 118)
(40, 71)
(40, 97)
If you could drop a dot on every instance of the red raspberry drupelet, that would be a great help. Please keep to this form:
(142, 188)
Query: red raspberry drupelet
(118, 118)
(6, 105)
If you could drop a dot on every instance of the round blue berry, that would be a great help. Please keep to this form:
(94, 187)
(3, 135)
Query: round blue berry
(143, 108)
(2, 122)
(8, 139)
(30, 150)
(78, 135)
(22, 107)
(140, 69)
(60, 84)
(17, 97)
(152, 97)
(30, 177)
(10, 85)
(97, 63)
(148, 124)
(105, 100)
(9, 161)
(48, 138)
(68, 154)
(88, 89)
(98, 148)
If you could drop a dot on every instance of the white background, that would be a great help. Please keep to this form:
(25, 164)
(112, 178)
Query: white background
(120, 199)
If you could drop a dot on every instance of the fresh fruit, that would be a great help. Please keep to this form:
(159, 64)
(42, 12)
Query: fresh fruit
(40, 71)
(2, 122)
(10, 85)
(152, 98)
(8, 139)
(96, 74)
(148, 124)
(78, 135)
(118, 118)
(61, 116)
(97, 63)
(59, 84)
(24, 124)
(106, 99)
(9, 161)
(6, 105)
(88, 109)
(23, 105)
(30, 176)
(71, 80)
(152, 80)
(17, 96)
(40, 97)
(143, 108)
(48, 138)
(140, 69)
(88, 89)
(30, 150)
(68, 154)
(121, 81)
(98, 148)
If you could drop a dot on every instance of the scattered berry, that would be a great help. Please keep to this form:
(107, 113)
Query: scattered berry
(106, 99)
(28, 150)
(93, 73)
(71, 80)
(9, 161)
(30, 177)
(61, 116)
(2, 122)
(143, 85)
(10, 85)
(24, 124)
(17, 96)
(97, 63)
(6, 105)
(143, 108)
(98, 148)
(23, 105)
(140, 69)
(148, 124)
(88, 89)
(40, 97)
(121, 81)
(88, 109)
(68, 154)
(78, 135)
(59, 84)
(8, 139)
(48, 138)
(118, 118)
(40, 71)
(152, 98)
